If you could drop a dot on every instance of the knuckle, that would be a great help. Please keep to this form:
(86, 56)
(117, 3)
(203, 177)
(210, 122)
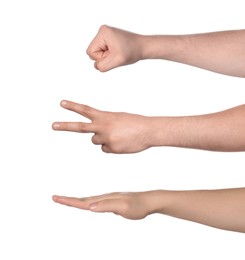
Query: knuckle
(86, 110)
(64, 126)
(94, 140)
(82, 127)
(104, 27)
(101, 67)
(88, 51)
(105, 149)
(96, 65)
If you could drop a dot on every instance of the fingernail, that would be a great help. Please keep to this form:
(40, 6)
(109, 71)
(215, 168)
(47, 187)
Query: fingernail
(56, 125)
(93, 206)
(63, 102)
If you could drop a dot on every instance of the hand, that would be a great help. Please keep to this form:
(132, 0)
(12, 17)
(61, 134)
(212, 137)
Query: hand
(116, 132)
(222, 208)
(114, 47)
(128, 205)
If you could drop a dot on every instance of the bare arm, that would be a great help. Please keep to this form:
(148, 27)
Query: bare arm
(224, 209)
(130, 133)
(222, 52)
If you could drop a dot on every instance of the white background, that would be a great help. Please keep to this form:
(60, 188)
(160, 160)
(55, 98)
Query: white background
(42, 61)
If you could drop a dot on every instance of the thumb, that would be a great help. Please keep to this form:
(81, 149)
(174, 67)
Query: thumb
(109, 205)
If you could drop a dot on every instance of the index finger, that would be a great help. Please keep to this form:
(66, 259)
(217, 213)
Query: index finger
(83, 110)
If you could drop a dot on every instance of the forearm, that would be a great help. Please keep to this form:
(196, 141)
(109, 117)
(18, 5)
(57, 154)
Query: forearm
(222, 52)
(224, 209)
(222, 131)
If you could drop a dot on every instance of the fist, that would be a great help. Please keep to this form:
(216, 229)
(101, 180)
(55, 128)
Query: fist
(114, 47)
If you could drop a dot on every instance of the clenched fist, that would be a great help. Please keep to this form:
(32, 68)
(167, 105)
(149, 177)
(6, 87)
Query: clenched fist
(114, 47)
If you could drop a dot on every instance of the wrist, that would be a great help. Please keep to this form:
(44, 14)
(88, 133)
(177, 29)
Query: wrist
(145, 43)
(157, 201)
(168, 47)
(165, 131)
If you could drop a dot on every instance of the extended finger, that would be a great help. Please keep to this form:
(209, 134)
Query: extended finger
(74, 127)
(72, 202)
(83, 203)
(83, 110)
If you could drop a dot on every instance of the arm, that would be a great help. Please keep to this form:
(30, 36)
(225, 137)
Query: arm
(129, 133)
(222, 52)
(224, 209)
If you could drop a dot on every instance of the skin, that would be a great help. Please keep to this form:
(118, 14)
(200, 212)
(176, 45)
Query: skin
(130, 133)
(223, 209)
(221, 52)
